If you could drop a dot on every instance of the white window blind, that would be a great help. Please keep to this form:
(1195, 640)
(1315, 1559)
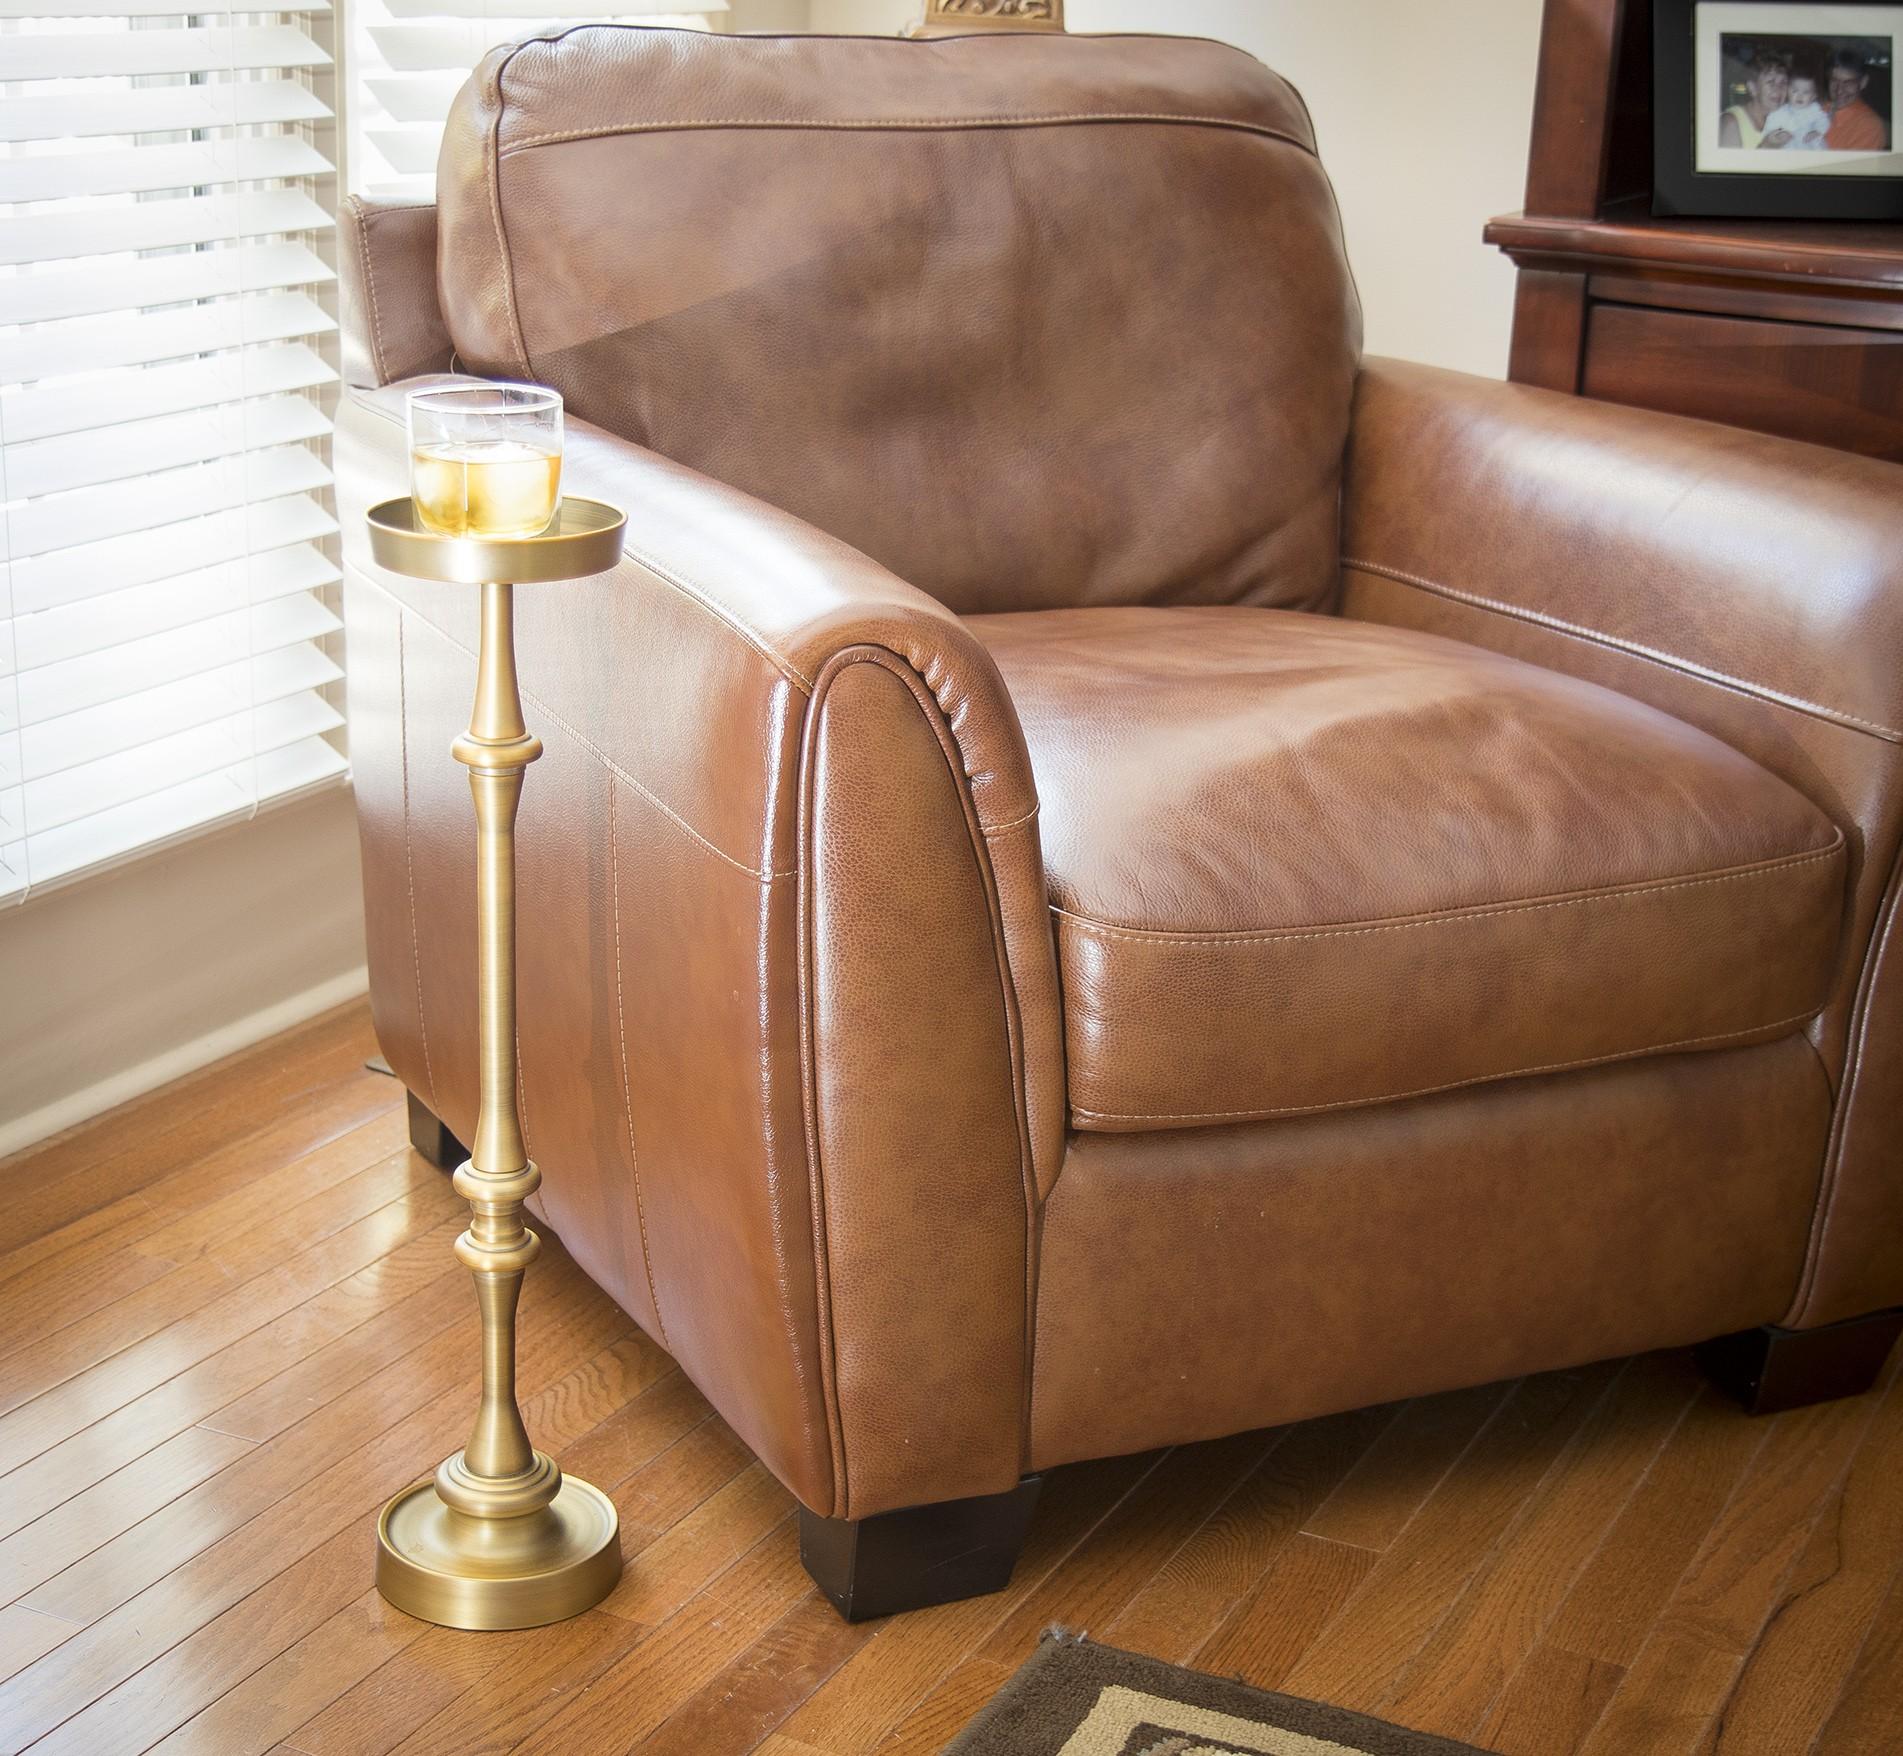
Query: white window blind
(167, 651)
(413, 56)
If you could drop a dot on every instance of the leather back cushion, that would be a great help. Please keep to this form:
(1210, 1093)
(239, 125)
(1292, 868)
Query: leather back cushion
(1032, 321)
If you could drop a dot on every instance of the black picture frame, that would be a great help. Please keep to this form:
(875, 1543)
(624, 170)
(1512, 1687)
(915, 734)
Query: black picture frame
(1679, 187)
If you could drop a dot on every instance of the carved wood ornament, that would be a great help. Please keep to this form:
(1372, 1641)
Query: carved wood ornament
(956, 17)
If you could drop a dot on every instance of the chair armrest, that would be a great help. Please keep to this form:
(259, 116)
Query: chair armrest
(825, 916)
(1749, 585)
(1759, 564)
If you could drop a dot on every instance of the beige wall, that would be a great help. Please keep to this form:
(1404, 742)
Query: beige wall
(117, 983)
(1422, 112)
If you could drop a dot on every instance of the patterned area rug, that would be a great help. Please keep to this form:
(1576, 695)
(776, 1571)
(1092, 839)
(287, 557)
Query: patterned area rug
(1074, 1698)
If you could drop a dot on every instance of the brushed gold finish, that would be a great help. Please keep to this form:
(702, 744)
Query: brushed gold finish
(499, 1539)
(584, 538)
(946, 18)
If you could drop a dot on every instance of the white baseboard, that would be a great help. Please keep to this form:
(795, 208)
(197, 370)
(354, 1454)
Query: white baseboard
(183, 1058)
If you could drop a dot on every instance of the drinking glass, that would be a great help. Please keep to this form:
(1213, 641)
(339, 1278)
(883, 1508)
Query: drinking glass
(486, 459)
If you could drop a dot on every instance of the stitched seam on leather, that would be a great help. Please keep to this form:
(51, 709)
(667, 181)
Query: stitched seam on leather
(904, 125)
(990, 829)
(1689, 667)
(1083, 923)
(1803, 1298)
(725, 617)
(492, 166)
(1393, 1097)
(409, 854)
(627, 1089)
(366, 262)
(531, 699)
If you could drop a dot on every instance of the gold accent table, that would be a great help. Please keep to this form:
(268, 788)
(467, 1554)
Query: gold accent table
(499, 1538)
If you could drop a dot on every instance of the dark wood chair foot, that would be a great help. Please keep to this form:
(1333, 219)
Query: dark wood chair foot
(434, 1141)
(922, 1555)
(1769, 1369)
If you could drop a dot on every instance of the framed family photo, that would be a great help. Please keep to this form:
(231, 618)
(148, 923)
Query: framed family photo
(1776, 108)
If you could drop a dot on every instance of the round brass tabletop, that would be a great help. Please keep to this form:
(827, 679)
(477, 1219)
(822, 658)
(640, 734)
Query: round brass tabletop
(584, 539)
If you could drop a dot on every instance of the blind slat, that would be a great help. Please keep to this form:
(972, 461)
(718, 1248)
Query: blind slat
(50, 690)
(167, 109)
(159, 225)
(142, 8)
(89, 519)
(87, 346)
(182, 809)
(141, 53)
(135, 393)
(112, 619)
(135, 448)
(542, 11)
(67, 796)
(87, 569)
(93, 734)
(247, 158)
(158, 280)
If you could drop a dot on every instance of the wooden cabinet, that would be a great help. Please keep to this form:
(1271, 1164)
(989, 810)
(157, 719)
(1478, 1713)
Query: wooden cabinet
(1788, 326)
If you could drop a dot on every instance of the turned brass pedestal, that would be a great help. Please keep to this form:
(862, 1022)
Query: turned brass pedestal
(500, 1538)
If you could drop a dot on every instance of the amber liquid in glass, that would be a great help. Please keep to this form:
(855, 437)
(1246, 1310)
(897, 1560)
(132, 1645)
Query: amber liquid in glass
(485, 487)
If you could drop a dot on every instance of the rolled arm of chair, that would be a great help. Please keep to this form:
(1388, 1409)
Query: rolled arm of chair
(829, 940)
(1747, 584)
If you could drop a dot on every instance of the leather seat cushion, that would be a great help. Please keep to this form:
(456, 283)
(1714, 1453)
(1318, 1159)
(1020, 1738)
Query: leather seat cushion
(1300, 863)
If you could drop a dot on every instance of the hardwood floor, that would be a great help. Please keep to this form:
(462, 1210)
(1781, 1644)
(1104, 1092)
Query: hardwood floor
(231, 1325)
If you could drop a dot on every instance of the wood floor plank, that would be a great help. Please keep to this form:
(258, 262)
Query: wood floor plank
(1371, 1642)
(1103, 1573)
(1627, 1583)
(506, 1703)
(181, 1603)
(408, 1388)
(1393, 1479)
(79, 1401)
(667, 1570)
(1691, 1658)
(94, 1516)
(1552, 1703)
(1795, 1672)
(304, 1678)
(1871, 1706)
(752, 1696)
(169, 1227)
(631, 1437)
(1498, 1620)
(374, 1709)
(1273, 1626)
(226, 1268)
(669, 1664)
(938, 1718)
(652, 1500)
(369, 1318)
(183, 1644)
(168, 1133)
(26, 1635)
(1179, 1609)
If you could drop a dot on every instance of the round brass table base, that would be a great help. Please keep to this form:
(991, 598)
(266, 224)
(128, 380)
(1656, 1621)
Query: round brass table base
(461, 1572)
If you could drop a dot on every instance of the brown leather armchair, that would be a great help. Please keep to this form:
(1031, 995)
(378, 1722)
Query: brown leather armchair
(1108, 872)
